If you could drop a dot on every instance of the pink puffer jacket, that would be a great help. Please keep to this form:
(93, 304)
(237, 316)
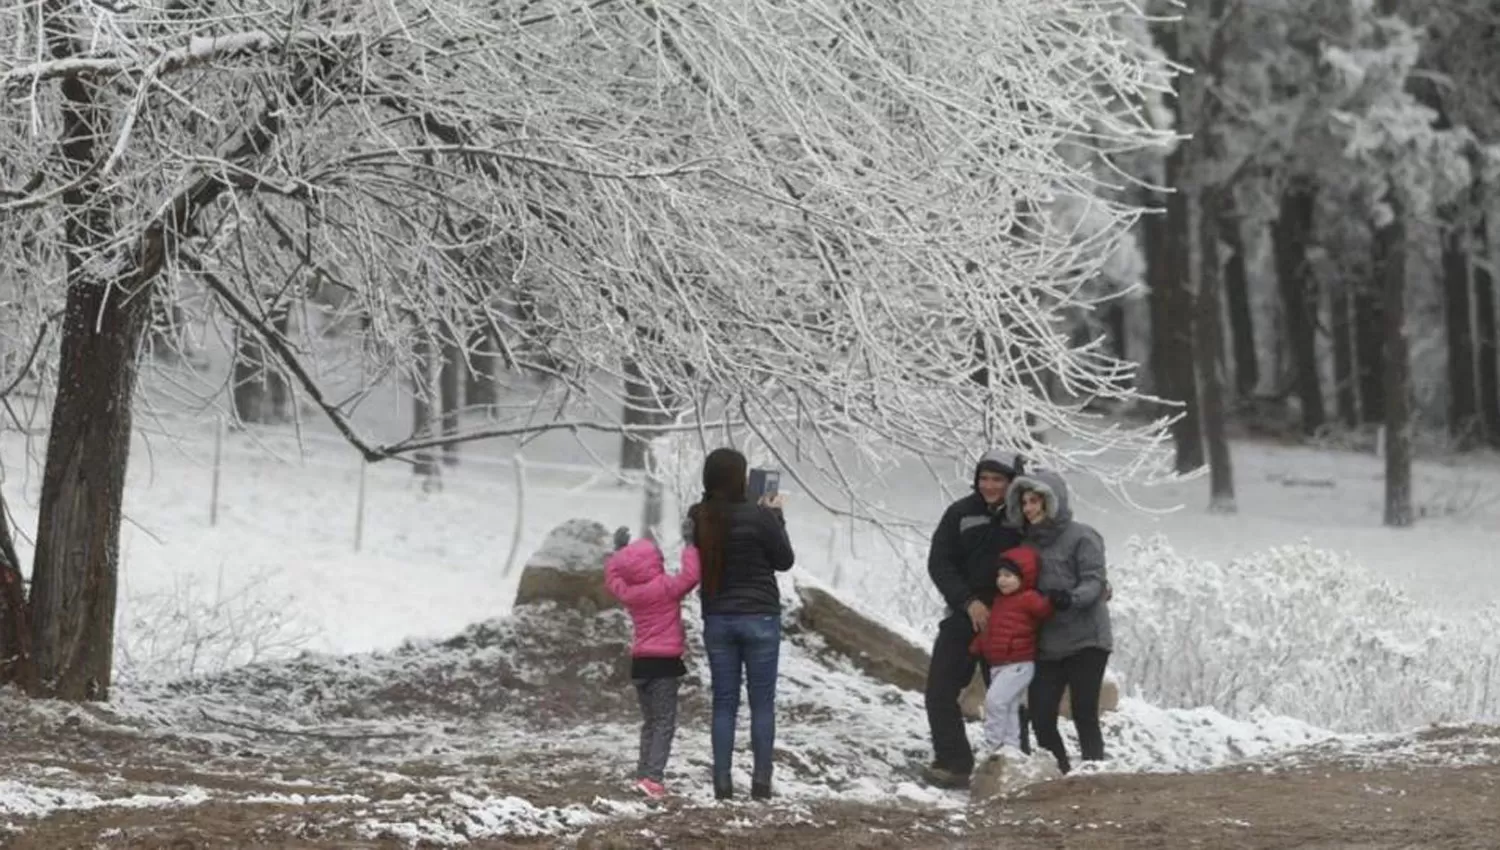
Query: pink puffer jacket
(637, 576)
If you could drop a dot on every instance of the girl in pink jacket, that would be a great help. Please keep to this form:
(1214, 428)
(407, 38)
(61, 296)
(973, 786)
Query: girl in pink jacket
(637, 576)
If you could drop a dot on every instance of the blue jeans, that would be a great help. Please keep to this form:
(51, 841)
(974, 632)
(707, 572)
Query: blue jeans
(750, 643)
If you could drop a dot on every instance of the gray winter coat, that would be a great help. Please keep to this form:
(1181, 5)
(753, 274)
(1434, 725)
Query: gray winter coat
(1072, 556)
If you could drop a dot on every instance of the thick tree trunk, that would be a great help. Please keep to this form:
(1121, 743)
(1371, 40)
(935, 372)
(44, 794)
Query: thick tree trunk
(1241, 318)
(1114, 318)
(1290, 236)
(75, 569)
(17, 665)
(1390, 246)
(75, 574)
(1489, 342)
(278, 386)
(1343, 354)
(451, 381)
(641, 408)
(1169, 273)
(1369, 349)
(1208, 213)
(1210, 353)
(166, 337)
(1463, 405)
(424, 419)
(479, 389)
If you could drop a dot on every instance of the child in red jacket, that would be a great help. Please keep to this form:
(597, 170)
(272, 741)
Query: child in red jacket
(1008, 645)
(635, 574)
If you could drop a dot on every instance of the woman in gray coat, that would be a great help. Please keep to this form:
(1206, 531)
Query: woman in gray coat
(1073, 646)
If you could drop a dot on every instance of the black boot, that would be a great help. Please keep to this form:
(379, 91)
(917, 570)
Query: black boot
(723, 789)
(760, 790)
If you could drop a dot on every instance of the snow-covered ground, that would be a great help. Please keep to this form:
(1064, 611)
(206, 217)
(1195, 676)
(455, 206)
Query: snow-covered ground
(280, 570)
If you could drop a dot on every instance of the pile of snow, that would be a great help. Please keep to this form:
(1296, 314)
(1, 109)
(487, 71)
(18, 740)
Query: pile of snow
(553, 680)
(1302, 632)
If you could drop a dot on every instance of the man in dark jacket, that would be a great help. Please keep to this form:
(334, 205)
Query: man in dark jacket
(962, 562)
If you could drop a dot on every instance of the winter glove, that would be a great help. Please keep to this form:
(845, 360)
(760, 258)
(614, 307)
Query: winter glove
(622, 538)
(1061, 599)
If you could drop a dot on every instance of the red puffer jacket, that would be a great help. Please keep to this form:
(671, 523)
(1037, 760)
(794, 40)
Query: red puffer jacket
(1010, 637)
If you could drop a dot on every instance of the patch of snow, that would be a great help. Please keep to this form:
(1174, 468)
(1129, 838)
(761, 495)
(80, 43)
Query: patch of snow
(467, 818)
(22, 799)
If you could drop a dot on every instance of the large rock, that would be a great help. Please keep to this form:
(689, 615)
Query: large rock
(1009, 771)
(1109, 699)
(891, 658)
(879, 652)
(971, 700)
(568, 568)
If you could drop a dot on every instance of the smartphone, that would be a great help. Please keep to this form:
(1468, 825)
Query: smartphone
(763, 484)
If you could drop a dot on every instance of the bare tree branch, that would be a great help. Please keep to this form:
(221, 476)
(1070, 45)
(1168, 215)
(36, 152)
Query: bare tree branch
(25, 368)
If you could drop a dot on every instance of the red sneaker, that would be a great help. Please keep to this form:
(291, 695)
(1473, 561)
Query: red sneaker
(651, 788)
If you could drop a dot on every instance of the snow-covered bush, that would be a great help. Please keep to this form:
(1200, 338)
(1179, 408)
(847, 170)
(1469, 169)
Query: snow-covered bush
(1301, 632)
(188, 630)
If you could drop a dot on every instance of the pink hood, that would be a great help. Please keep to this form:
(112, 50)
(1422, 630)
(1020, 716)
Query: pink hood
(637, 576)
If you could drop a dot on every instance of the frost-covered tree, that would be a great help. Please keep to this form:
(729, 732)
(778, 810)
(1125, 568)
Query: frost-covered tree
(814, 217)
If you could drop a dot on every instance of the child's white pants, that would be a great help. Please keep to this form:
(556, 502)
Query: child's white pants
(1002, 704)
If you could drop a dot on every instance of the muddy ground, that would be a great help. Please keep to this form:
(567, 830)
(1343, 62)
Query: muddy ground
(1315, 800)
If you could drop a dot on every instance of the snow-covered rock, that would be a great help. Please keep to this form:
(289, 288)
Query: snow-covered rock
(876, 650)
(1009, 771)
(568, 568)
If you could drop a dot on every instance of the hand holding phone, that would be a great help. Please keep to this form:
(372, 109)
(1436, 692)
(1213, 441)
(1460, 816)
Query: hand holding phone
(763, 485)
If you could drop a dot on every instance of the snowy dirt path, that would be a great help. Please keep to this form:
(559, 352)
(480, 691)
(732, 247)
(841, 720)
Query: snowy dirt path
(521, 732)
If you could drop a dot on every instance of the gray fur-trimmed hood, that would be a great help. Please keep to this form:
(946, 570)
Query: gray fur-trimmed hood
(1054, 491)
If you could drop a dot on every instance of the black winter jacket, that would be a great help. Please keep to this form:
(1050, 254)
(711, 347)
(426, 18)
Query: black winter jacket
(757, 549)
(965, 553)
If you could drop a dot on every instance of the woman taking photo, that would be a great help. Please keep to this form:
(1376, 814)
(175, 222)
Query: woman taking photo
(742, 546)
(1073, 646)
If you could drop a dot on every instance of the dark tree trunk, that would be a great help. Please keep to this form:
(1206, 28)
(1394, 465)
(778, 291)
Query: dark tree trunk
(1369, 349)
(479, 389)
(1463, 405)
(642, 408)
(17, 665)
(1241, 319)
(1114, 317)
(424, 419)
(76, 564)
(1209, 215)
(1169, 275)
(1343, 354)
(278, 386)
(1390, 266)
(1489, 343)
(1210, 353)
(981, 373)
(166, 338)
(75, 573)
(1290, 236)
(451, 381)
(75, 568)
(259, 389)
